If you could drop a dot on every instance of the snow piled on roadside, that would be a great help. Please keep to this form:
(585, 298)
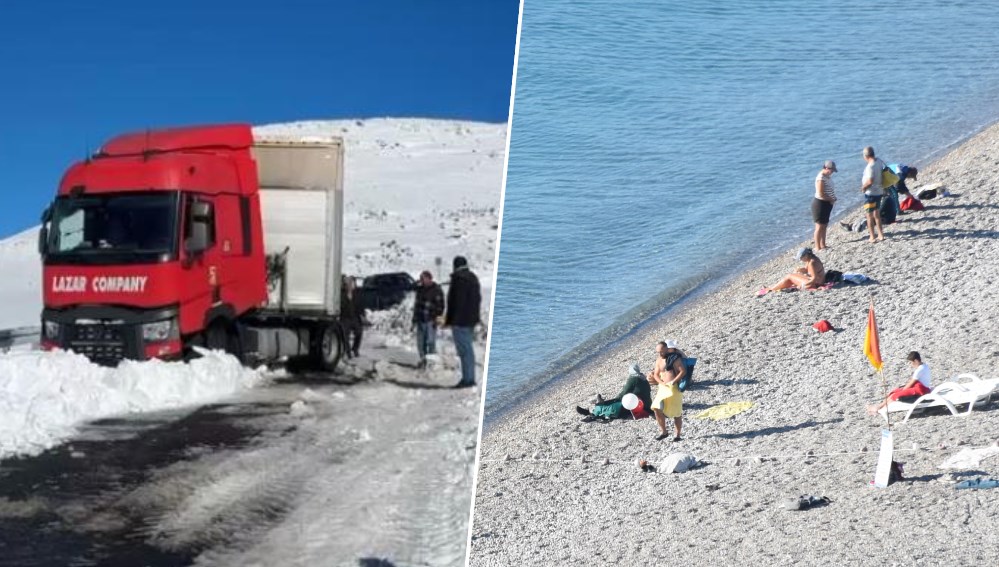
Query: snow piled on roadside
(47, 395)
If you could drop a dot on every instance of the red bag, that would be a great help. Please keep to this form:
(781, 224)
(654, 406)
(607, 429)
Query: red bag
(823, 326)
(911, 203)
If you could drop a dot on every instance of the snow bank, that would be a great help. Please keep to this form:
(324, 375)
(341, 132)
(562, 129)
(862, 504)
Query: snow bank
(46, 395)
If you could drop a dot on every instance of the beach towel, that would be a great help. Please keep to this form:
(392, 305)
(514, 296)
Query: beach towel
(855, 279)
(970, 457)
(724, 411)
(910, 203)
(678, 463)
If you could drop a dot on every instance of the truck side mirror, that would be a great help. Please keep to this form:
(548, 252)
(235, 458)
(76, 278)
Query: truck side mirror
(43, 239)
(199, 238)
(197, 242)
(43, 232)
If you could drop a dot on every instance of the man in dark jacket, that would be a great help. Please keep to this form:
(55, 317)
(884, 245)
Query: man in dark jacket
(429, 306)
(464, 297)
(351, 315)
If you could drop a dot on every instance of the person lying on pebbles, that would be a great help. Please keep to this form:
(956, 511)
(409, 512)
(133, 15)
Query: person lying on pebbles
(810, 276)
(636, 384)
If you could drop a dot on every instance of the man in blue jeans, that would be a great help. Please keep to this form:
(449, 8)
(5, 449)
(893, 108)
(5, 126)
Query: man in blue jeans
(427, 308)
(464, 297)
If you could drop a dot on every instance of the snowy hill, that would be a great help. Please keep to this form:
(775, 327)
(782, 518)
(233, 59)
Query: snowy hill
(415, 190)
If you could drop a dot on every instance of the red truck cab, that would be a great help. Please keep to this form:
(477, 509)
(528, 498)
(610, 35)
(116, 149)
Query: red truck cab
(155, 244)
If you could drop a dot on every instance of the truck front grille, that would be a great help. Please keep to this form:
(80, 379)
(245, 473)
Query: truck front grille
(103, 344)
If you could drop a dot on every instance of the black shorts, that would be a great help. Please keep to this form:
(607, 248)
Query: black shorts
(821, 211)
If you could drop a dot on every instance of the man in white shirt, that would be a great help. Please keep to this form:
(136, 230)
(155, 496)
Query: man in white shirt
(918, 385)
(871, 188)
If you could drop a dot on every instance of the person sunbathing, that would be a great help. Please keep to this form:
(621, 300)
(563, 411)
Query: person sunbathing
(810, 276)
(918, 385)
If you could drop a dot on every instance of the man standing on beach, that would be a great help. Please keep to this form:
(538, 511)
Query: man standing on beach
(464, 297)
(669, 370)
(872, 190)
(822, 204)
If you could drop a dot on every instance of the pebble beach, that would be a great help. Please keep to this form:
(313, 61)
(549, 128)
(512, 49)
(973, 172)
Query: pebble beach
(552, 489)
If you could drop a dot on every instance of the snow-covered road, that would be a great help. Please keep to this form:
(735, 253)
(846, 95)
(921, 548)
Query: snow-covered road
(296, 473)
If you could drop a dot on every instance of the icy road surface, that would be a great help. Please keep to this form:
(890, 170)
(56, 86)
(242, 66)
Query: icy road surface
(377, 472)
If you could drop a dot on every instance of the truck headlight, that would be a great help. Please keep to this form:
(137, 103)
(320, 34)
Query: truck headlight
(158, 331)
(51, 330)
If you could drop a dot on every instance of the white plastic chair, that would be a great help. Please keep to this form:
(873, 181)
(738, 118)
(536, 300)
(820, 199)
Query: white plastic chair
(971, 391)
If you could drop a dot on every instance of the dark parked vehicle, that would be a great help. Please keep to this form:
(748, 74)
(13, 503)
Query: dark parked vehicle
(383, 291)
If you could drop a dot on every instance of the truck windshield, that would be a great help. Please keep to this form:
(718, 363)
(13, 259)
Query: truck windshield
(113, 228)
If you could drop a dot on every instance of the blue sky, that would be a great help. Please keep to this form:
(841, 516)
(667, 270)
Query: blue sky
(75, 73)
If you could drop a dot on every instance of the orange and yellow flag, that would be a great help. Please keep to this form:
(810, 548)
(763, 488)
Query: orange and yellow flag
(872, 346)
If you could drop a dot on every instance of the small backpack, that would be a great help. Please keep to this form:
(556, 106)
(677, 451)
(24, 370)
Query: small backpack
(689, 376)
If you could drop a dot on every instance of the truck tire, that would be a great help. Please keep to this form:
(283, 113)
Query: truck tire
(329, 347)
(225, 336)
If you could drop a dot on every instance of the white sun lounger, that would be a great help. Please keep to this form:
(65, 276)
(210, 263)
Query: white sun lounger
(963, 389)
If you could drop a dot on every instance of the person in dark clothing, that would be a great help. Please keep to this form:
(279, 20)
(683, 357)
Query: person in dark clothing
(427, 309)
(464, 297)
(903, 172)
(637, 383)
(351, 315)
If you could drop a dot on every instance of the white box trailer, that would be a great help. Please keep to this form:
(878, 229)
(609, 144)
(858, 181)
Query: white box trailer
(301, 207)
(301, 203)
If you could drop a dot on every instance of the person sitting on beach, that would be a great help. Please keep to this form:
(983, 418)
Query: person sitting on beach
(810, 276)
(918, 385)
(669, 370)
(636, 383)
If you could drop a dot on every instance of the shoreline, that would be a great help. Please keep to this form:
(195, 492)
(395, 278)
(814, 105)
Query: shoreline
(542, 482)
(603, 342)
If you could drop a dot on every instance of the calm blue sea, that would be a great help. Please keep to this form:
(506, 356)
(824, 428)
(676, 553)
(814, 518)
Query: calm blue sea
(656, 144)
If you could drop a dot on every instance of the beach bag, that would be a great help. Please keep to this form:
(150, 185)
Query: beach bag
(926, 194)
(910, 203)
(834, 276)
(689, 376)
(895, 473)
(889, 208)
(607, 411)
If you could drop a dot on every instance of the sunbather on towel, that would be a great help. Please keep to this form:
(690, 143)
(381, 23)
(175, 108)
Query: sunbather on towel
(918, 385)
(811, 276)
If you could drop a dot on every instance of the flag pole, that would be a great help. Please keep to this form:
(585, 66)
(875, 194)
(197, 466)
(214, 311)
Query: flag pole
(884, 386)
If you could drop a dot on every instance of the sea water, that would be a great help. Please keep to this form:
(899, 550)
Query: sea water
(656, 146)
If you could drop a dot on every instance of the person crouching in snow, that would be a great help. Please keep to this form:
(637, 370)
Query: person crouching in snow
(669, 370)
(918, 385)
(810, 276)
(427, 310)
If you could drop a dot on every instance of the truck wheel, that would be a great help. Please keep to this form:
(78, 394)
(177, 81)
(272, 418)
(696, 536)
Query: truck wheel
(329, 347)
